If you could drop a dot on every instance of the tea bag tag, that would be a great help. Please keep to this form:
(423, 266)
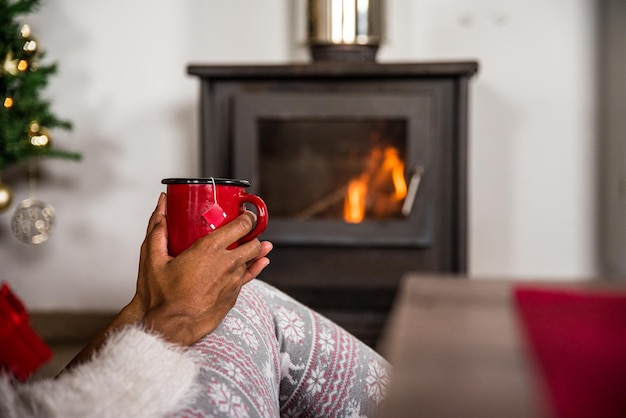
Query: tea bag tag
(215, 215)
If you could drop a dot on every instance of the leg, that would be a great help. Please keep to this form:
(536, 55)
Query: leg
(272, 356)
(325, 371)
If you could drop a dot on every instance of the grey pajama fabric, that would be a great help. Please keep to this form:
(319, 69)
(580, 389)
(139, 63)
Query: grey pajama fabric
(274, 357)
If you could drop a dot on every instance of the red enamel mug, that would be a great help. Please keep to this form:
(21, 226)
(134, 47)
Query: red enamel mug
(198, 206)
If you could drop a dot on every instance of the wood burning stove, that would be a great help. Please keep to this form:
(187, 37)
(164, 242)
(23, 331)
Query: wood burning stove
(363, 169)
(325, 165)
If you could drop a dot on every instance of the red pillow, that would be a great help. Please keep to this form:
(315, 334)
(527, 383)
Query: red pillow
(578, 339)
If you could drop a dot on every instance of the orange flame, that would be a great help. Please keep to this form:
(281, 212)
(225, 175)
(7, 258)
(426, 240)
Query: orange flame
(354, 208)
(371, 188)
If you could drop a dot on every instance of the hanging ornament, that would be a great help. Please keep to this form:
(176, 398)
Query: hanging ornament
(33, 221)
(6, 197)
(38, 136)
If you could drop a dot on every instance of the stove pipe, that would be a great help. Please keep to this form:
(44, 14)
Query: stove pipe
(344, 30)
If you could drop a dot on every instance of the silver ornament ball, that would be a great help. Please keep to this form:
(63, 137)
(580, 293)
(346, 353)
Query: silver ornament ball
(33, 221)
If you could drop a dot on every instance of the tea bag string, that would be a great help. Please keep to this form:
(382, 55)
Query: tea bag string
(214, 191)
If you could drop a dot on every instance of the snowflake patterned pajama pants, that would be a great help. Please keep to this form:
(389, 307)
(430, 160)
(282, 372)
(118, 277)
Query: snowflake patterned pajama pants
(273, 357)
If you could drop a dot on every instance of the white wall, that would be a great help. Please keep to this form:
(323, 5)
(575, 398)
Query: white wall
(122, 81)
(532, 154)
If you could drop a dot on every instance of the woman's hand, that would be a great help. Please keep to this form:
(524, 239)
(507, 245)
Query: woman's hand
(186, 297)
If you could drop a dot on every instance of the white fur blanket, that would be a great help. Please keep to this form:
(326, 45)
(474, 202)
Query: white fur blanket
(135, 374)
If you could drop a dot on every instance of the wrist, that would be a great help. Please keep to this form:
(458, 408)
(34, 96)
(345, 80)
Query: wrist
(173, 327)
(131, 314)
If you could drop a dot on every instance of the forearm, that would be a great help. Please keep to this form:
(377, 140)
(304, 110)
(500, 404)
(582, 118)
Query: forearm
(173, 327)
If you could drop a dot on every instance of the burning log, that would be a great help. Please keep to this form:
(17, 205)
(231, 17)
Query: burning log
(323, 204)
(379, 190)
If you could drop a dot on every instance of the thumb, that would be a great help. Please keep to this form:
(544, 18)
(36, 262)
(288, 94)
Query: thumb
(157, 238)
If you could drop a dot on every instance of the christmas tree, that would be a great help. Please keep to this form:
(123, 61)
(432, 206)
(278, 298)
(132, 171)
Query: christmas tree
(25, 117)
